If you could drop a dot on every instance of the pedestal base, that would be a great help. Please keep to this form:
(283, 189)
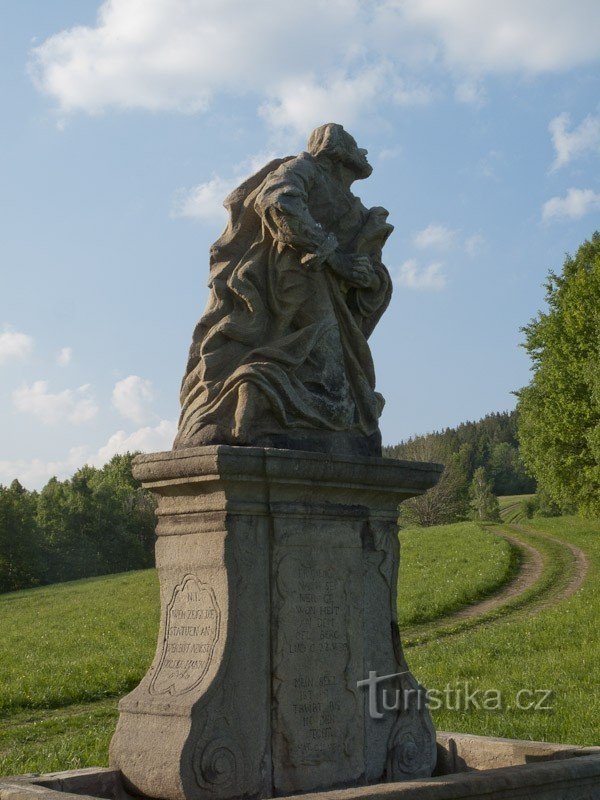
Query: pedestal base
(278, 572)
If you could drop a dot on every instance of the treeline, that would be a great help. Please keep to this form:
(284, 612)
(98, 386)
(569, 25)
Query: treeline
(490, 443)
(482, 461)
(97, 522)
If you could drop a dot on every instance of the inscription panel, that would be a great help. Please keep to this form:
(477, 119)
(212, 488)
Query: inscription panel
(192, 628)
(317, 717)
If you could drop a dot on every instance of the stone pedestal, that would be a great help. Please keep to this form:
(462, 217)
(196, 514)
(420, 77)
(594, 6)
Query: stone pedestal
(278, 573)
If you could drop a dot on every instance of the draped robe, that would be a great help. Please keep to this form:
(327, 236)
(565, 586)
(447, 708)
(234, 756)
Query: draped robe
(280, 356)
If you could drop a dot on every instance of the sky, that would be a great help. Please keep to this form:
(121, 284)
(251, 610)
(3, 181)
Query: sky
(125, 123)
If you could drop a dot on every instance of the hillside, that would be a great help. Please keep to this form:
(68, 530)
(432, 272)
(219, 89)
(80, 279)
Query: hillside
(487, 606)
(491, 442)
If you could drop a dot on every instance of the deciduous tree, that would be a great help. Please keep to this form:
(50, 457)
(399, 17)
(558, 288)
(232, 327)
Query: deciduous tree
(559, 412)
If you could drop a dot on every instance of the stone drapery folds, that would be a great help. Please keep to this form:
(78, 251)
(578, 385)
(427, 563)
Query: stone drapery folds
(280, 357)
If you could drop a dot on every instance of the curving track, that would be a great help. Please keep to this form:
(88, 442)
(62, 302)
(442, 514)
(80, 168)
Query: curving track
(528, 592)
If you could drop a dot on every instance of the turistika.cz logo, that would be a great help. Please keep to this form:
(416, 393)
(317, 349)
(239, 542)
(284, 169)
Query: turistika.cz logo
(460, 696)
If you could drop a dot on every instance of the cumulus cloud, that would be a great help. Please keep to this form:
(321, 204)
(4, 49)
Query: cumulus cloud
(509, 35)
(35, 472)
(438, 237)
(576, 142)
(574, 205)
(302, 103)
(131, 397)
(148, 440)
(204, 201)
(71, 405)
(443, 238)
(64, 356)
(429, 278)
(14, 346)
(177, 55)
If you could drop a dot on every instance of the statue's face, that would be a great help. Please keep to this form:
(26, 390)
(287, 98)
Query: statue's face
(356, 159)
(333, 142)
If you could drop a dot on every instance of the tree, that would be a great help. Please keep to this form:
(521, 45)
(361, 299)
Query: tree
(447, 501)
(97, 522)
(21, 561)
(483, 500)
(490, 442)
(507, 470)
(559, 411)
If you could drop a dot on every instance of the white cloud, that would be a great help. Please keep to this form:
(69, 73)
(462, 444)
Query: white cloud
(73, 405)
(529, 36)
(14, 346)
(576, 204)
(35, 472)
(438, 237)
(177, 55)
(131, 397)
(204, 201)
(148, 439)
(430, 277)
(64, 355)
(443, 238)
(572, 144)
(303, 103)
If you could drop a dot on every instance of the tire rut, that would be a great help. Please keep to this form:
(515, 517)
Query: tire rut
(529, 575)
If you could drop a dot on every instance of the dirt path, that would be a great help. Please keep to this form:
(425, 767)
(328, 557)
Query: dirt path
(580, 567)
(504, 511)
(530, 573)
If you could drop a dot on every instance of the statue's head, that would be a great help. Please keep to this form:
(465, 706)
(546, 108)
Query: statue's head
(332, 141)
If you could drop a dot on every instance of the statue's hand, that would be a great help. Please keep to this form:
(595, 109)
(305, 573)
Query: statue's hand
(355, 270)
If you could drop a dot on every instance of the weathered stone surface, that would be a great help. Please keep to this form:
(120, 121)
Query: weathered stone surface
(460, 752)
(525, 771)
(297, 284)
(278, 573)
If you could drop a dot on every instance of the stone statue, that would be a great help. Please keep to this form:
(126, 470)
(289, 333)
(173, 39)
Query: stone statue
(278, 559)
(280, 357)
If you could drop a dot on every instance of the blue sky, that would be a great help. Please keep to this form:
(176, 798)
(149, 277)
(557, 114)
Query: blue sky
(127, 122)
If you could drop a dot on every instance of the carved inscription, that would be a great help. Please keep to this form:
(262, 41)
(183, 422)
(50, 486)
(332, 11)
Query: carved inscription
(191, 633)
(315, 706)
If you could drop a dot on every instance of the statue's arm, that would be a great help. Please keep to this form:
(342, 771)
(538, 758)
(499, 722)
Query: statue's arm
(283, 205)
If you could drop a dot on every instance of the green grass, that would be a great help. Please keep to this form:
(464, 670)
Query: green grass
(68, 651)
(556, 648)
(511, 507)
(557, 561)
(52, 740)
(76, 642)
(448, 567)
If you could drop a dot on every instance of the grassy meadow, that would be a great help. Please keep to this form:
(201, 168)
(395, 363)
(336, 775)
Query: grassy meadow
(69, 651)
(555, 647)
(447, 567)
